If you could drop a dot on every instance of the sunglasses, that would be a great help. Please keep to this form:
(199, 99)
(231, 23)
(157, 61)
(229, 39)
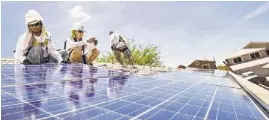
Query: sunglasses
(36, 24)
(81, 31)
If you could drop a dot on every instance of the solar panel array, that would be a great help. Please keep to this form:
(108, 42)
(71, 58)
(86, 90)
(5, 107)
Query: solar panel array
(76, 91)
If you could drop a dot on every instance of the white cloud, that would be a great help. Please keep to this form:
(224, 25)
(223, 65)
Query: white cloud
(78, 15)
(178, 44)
(262, 9)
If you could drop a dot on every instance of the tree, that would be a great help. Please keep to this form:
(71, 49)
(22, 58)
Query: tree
(223, 68)
(142, 55)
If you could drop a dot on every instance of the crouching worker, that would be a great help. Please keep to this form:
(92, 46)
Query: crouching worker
(79, 50)
(35, 45)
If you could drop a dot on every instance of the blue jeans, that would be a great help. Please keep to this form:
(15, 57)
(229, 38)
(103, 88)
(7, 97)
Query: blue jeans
(36, 56)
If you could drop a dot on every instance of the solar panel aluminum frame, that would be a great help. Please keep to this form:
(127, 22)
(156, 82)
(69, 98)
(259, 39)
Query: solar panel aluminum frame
(264, 107)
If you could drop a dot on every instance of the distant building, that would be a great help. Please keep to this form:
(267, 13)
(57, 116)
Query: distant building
(252, 57)
(181, 67)
(204, 64)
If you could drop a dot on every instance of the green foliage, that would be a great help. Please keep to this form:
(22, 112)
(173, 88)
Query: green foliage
(223, 68)
(142, 55)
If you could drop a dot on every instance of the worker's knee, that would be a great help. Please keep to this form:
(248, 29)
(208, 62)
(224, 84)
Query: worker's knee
(76, 55)
(96, 52)
(93, 55)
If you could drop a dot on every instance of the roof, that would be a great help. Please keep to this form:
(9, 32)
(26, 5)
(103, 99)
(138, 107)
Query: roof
(245, 51)
(256, 45)
(251, 64)
(206, 59)
(266, 66)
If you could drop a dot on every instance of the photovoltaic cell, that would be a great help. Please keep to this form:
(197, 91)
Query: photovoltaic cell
(76, 91)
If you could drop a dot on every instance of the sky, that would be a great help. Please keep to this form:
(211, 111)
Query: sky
(184, 31)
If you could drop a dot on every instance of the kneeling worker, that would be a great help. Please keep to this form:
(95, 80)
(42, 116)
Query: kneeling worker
(35, 45)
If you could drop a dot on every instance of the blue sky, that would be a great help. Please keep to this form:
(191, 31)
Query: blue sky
(184, 31)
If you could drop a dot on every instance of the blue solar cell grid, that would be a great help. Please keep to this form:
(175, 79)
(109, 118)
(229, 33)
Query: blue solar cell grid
(76, 91)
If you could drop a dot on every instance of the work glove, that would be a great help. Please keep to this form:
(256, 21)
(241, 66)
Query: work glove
(92, 39)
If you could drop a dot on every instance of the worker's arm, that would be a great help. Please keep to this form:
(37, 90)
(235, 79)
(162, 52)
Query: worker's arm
(52, 50)
(72, 44)
(114, 38)
(20, 48)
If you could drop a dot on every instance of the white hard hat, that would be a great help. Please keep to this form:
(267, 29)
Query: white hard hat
(32, 17)
(78, 26)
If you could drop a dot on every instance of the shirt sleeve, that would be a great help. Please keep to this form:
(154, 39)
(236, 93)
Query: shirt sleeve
(52, 50)
(20, 47)
(114, 38)
(72, 44)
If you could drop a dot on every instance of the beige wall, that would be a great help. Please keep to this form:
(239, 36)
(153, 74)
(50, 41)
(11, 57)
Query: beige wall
(230, 61)
(247, 58)
(263, 53)
(261, 72)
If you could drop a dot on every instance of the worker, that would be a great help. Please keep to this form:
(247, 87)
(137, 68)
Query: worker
(35, 46)
(79, 50)
(118, 46)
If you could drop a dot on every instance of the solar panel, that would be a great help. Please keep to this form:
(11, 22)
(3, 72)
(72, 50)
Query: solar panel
(76, 91)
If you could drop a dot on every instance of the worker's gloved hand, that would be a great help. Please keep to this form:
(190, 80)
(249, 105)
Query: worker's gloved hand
(26, 61)
(113, 47)
(92, 39)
